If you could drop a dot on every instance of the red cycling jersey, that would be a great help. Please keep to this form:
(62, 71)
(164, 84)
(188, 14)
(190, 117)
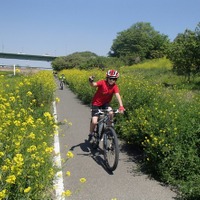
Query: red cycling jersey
(104, 93)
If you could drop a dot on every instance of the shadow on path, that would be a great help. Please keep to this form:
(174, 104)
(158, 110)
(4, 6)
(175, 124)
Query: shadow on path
(95, 154)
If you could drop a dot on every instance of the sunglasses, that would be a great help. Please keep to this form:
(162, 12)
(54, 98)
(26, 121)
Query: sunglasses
(114, 79)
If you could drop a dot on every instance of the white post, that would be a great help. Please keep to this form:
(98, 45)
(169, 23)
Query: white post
(14, 69)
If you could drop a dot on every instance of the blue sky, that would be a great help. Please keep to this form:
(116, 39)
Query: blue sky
(62, 27)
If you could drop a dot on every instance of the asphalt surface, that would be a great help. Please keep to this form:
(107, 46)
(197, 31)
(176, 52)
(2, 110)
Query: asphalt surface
(125, 183)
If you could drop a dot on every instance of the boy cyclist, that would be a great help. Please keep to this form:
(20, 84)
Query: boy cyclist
(103, 97)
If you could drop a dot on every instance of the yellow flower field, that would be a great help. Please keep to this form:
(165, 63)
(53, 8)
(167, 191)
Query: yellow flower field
(161, 121)
(26, 132)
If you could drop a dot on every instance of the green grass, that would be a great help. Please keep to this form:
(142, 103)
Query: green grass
(159, 71)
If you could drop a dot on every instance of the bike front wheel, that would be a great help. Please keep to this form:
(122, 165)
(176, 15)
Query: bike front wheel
(111, 148)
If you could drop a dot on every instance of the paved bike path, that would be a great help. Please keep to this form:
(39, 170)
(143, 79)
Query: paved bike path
(125, 183)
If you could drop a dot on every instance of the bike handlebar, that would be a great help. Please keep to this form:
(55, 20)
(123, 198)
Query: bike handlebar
(103, 111)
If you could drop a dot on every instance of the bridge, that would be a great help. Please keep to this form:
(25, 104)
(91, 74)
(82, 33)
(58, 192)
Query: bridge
(23, 56)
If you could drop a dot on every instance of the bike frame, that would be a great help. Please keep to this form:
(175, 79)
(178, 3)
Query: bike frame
(103, 120)
(102, 124)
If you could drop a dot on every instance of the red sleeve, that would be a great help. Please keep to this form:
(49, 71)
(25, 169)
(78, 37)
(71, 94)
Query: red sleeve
(116, 89)
(99, 83)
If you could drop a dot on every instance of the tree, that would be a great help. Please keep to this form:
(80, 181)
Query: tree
(184, 53)
(85, 60)
(75, 60)
(197, 32)
(102, 63)
(139, 42)
(58, 64)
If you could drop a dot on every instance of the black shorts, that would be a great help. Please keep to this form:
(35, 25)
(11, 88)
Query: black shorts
(95, 109)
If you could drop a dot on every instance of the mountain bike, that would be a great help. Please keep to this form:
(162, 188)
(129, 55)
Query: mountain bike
(106, 132)
(61, 84)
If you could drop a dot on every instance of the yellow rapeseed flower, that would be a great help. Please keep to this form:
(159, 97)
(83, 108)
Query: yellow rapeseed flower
(11, 179)
(57, 99)
(19, 160)
(4, 168)
(29, 93)
(70, 154)
(3, 194)
(32, 148)
(1, 154)
(31, 135)
(12, 99)
(26, 190)
(17, 123)
(67, 193)
(33, 156)
(21, 84)
(68, 173)
(17, 70)
(51, 171)
(82, 180)
(70, 123)
(30, 120)
(49, 150)
(48, 115)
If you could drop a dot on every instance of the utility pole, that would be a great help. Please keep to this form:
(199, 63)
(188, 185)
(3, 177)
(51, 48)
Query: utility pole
(14, 69)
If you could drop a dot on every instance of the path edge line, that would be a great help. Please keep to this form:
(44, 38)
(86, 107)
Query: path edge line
(58, 181)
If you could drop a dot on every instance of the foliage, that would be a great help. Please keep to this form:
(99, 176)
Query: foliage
(26, 132)
(184, 53)
(85, 60)
(139, 42)
(59, 63)
(162, 121)
(102, 63)
(75, 60)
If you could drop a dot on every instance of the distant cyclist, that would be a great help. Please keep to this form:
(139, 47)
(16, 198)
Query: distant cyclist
(62, 80)
(103, 96)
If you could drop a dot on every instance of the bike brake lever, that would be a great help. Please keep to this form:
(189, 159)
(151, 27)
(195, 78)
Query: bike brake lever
(117, 111)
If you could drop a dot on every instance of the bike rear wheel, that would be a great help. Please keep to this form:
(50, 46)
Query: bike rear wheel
(61, 85)
(111, 148)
